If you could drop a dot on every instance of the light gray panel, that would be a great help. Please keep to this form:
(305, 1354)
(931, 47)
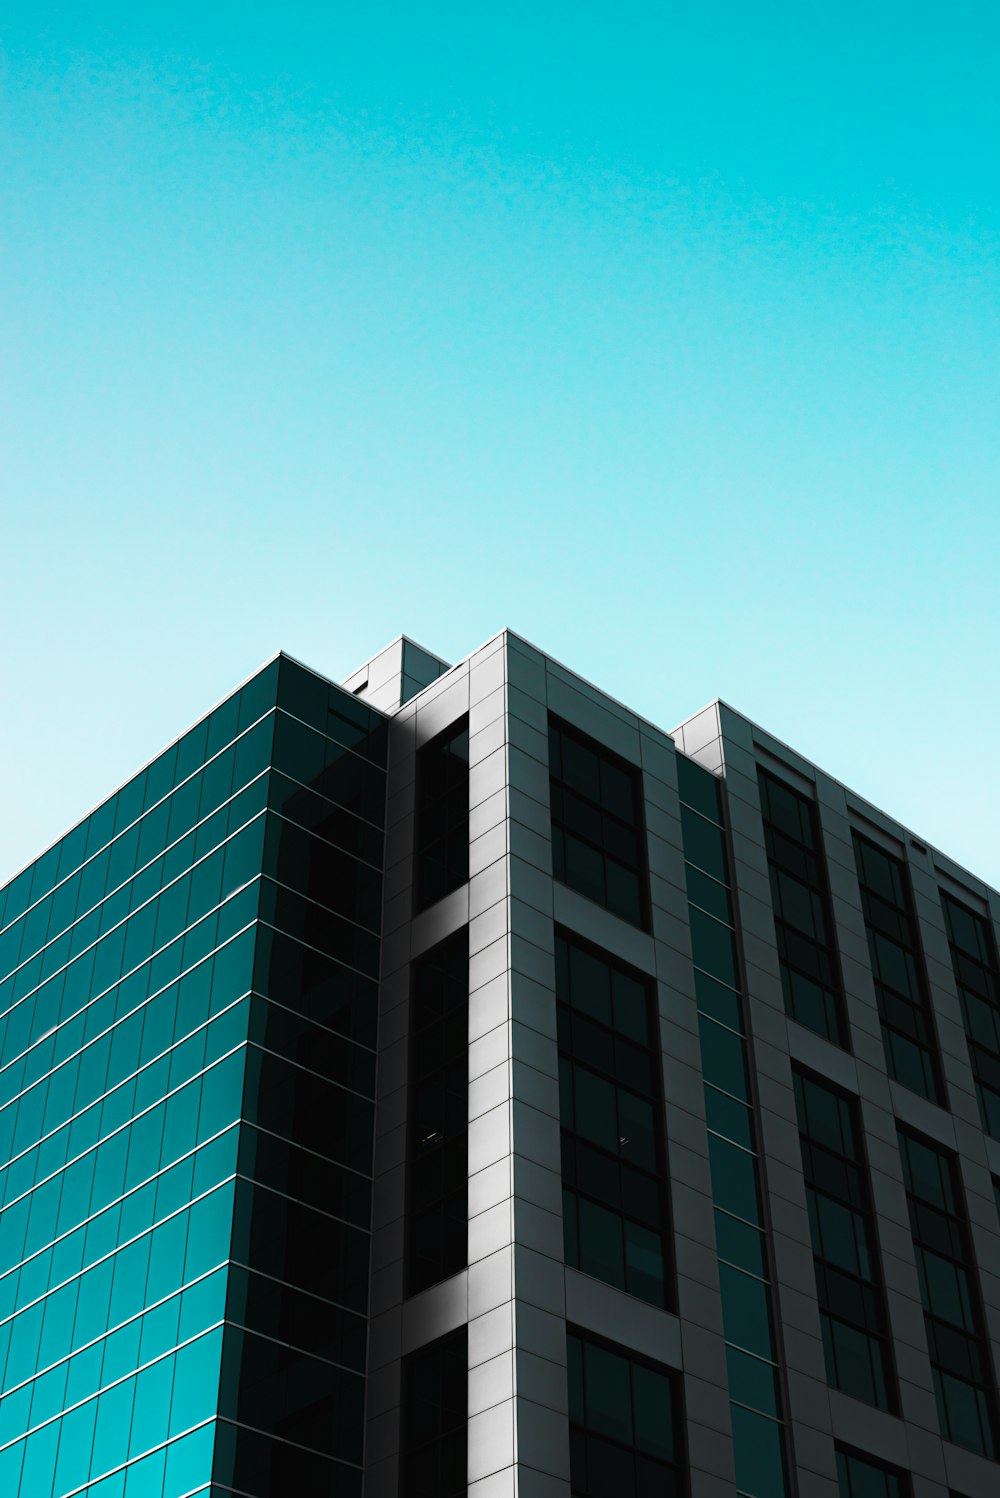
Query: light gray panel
(610, 1313)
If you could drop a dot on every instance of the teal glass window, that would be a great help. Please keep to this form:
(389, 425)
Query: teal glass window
(744, 1272)
(949, 1288)
(139, 1072)
(856, 1339)
(598, 836)
(897, 966)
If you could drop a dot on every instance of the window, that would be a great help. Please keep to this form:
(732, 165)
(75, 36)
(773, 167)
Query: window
(442, 830)
(624, 1424)
(848, 1273)
(744, 1272)
(438, 1108)
(956, 1338)
(897, 967)
(597, 828)
(614, 1180)
(864, 1477)
(810, 977)
(977, 977)
(433, 1458)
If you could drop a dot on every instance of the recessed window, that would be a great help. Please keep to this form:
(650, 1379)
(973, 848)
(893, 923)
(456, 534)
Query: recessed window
(897, 966)
(977, 977)
(949, 1287)
(442, 830)
(438, 1106)
(863, 1477)
(598, 841)
(852, 1311)
(810, 973)
(615, 1219)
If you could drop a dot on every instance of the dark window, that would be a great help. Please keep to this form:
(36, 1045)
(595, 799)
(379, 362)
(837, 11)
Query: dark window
(810, 976)
(624, 1424)
(897, 967)
(614, 1179)
(443, 814)
(598, 841)
(864, 1477)
(433, 1458)
(977, 976)
(437, 1193)
(845, 1249)
(959, 1352)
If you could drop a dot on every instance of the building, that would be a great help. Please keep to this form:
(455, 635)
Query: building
(450, 1083)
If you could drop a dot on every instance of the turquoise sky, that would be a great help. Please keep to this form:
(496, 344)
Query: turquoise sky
(667, 335)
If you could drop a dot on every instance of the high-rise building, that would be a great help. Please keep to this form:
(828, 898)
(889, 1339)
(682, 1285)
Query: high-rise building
(450, 1083)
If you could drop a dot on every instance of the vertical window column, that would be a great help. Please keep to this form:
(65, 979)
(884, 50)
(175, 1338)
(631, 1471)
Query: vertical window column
(949, 1288)
(615, 1219)
(864, 1477)
(897, 966)
(810, 974)
(744, 1271)
(437, 1154)
(977, 977)
(856, 1339)
(435, 1418)
(442, 822)
(598, 840)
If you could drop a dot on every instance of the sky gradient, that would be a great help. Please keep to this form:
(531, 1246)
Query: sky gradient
(667, 335)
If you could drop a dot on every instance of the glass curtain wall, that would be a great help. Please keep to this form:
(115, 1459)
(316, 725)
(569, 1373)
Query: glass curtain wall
(132, 1046)
(803, 926)
(291, 1401)
(437, 1192)
(856, 1340)
(615, 1213)
(625, 1427)
(897, 965)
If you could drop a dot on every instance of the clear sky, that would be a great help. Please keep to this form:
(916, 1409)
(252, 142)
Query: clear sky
(666, 334)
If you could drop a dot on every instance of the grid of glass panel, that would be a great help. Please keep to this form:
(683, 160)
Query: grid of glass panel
(810, 975)
(977, 976)
(744, 1271)
(434, 1445)
(949, 1287)
(615, 1219)
(864, 1477)
(437, 1200)
(598, 842)
(625, 1424)
(852, 1311)
(128, 954)
(442, 821)
(129, 1042)
(897, 966)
